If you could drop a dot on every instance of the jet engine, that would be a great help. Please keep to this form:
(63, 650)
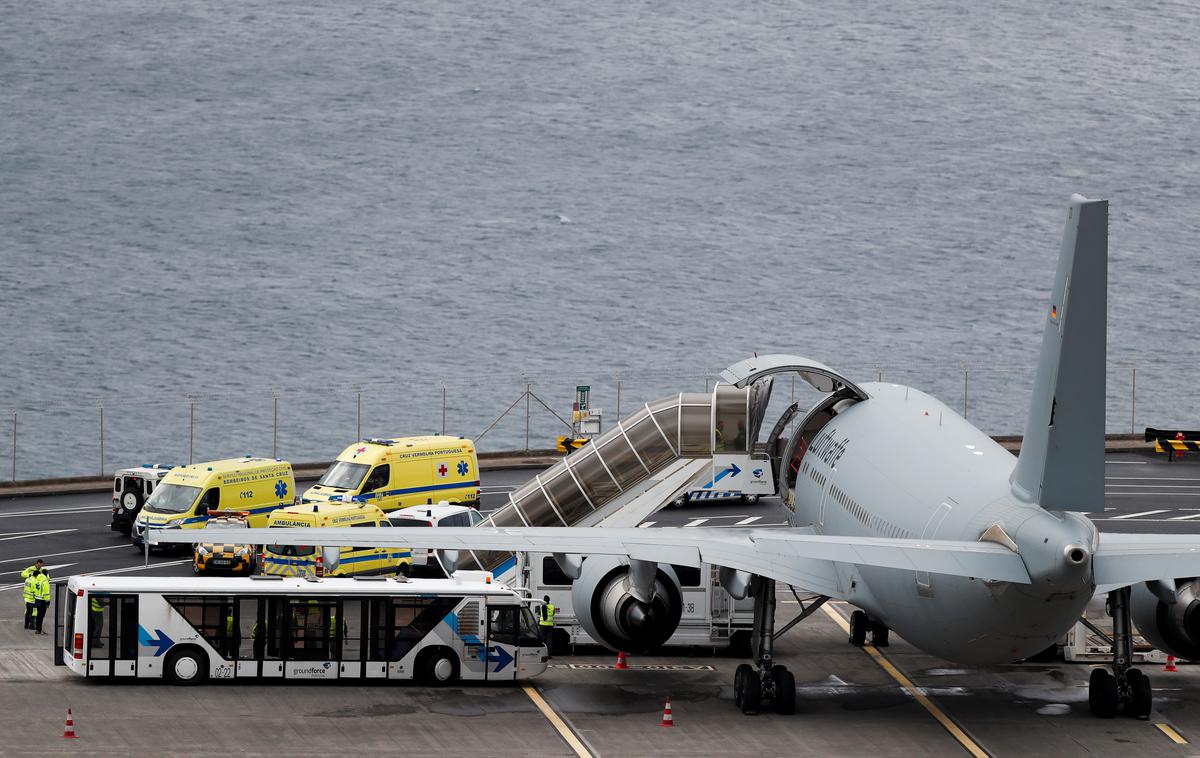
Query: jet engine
(1173, 627)
(606, 602)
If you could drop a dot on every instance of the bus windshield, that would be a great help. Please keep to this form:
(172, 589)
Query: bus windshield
(344, 475)
(172, 498)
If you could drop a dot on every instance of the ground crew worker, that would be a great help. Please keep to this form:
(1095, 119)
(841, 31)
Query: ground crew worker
(95, 621)
(28, 595)
(41, 597)
(32, 570)
(546, 621)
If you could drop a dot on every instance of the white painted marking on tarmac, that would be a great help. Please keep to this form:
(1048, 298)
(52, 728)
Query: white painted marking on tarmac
(113, 571)
(1153, 478)
(1160, 486)
(1135, 515)
(646, 524)
(1152, 494)
(26, 535)
(69, 552)
(48, 568)
(57, 512)
(750, 520)
(1184, 518)
(695, 522)
(1125, 463)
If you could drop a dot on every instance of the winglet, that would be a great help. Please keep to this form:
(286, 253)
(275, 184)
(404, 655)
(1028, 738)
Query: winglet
(1061, 466)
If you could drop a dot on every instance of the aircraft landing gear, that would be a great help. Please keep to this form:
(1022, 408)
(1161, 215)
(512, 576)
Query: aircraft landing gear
(861, 624)
(1124, 686)
(764, 682)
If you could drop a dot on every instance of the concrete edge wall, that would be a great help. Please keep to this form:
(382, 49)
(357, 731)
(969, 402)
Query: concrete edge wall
(530, 459)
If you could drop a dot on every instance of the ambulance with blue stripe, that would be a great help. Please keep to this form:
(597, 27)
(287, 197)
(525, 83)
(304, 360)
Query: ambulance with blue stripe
(394, 473)
(302, 560)
(186, 496)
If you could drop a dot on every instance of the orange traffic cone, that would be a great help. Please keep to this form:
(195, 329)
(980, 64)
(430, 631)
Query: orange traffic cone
(667, 719)
(621, 664)
(1170, 664)
(69, 729)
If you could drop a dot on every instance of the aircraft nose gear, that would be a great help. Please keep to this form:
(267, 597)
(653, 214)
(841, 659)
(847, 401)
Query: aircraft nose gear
(1123, 686)
(765, 682)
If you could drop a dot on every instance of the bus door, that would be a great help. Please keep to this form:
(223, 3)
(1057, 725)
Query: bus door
(379, 622)
(350, 641)
(64, 629)
(504, 642)
(473, 633)
(111, 641)
(311, 633)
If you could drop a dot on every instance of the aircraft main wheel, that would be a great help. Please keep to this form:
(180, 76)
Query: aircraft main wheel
(858, 628)
(1102, 693)
(879, 635)
(785, 691)
(740, 675)
(751, 692)
(1143, 699)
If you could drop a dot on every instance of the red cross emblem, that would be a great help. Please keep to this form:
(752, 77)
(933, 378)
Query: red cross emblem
(442, 470)
(360, 450)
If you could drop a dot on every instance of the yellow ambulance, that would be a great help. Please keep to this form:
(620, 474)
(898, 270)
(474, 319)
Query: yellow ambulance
(301, 560)
(184, 497)
(397, 473)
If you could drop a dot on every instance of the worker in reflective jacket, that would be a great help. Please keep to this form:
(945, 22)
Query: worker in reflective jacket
(41, 597)
(28, 594)
(546, 620)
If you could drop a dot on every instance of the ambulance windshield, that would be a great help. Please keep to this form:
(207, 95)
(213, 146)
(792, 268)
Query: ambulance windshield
(172, 498)
(343, 475)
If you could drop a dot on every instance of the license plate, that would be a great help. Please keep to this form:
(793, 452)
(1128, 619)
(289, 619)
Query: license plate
(220, 561)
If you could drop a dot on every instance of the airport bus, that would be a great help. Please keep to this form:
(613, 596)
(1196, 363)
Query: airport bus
(188, 630)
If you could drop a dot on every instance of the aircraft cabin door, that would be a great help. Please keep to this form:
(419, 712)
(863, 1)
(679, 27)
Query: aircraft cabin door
(925, 586)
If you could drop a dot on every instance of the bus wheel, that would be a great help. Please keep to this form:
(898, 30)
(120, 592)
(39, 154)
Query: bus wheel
(187, 666)
(439, 666)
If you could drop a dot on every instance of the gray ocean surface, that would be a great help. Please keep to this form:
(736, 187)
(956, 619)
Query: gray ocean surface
(328, 202)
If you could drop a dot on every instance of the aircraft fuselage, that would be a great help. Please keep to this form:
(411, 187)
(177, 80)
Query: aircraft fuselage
(901, 464)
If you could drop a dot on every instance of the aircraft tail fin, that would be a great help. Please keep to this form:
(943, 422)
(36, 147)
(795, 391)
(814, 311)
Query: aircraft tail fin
(1061, 466)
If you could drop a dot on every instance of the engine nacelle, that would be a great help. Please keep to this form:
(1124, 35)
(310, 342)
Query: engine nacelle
(1173, 628)
(612, 616)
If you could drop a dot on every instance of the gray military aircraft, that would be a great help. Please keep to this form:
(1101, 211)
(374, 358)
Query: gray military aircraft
(901, 508)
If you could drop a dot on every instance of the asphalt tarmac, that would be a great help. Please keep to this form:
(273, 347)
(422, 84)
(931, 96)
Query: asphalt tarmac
(892, 702)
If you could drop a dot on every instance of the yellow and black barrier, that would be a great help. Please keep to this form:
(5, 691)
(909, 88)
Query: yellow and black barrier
(568, 444)
(1173, 441)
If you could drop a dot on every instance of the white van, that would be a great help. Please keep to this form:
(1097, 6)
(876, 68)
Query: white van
(442, 514)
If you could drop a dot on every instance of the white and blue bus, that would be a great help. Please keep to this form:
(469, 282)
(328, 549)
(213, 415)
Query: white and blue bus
(189, 630)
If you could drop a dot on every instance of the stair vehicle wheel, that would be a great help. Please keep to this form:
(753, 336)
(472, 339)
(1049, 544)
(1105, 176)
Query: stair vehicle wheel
(439, 667)
(743, 672)
(785, 691)
(185, 667)
(858, 628)
(1143, 699)
(1102, 693)
(751, 693)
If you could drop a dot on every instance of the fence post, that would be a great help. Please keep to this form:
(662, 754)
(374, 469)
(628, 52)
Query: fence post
(443, 410)
(191, 427)
(359, 426)
(527, 389)
(101, 440)
(880, 372)
(274, 425)
(1133, 404)
(964, 393)
(705, 381)
(14, 449)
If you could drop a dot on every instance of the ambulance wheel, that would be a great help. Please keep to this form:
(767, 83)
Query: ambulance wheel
(186, 666)
(405, 569)
(131, 501)
(751, 499)
(195, 567)
(438, 666)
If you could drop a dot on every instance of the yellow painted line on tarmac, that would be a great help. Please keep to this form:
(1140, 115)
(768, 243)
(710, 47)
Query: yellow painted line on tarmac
(938, 714)
(556, 721)
(1175, 736)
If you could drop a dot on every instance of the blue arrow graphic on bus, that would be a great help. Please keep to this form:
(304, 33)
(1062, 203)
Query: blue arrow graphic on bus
(160, 641)
(733, 470)
(503, 657)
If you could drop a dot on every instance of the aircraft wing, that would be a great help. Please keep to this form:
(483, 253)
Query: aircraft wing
(1123, 559)
(794, 556)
